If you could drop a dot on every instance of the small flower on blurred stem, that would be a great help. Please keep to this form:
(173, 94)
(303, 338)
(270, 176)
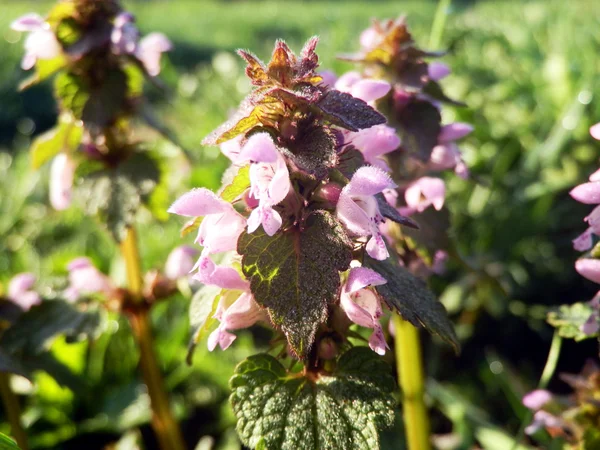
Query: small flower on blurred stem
(20, 291)
(150, 49)
(85, 279)
(362, 306)
(423, 193)
(537, 399)
(358, 210)
(62, 173)
(446, 154)
(234, 312)
(40, 43)
(180, 262)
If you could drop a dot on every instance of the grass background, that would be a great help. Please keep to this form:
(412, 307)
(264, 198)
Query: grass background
(528, 72)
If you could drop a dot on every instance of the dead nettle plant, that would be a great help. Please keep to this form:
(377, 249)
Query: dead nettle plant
(99, 66)
(303, 238)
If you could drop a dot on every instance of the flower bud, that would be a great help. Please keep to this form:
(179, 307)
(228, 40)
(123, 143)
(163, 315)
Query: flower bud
(328, 193)
(535, 400)
(180, 262)
(328, 348)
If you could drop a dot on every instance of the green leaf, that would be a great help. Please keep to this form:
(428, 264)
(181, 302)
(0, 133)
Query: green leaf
(135, 80)
(71, 92)
(342, 411)
(202, 309)
(237, 186)
(568, 319)
(7, 443)
(117, 194)
(408, 295)
(66, 136)
(419, 127)
(34, 329)
(348, 112)
(44, 68)
(295, 274)
(107, 101)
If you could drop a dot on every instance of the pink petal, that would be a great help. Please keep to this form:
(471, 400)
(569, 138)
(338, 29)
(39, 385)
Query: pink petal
(89, 280)
(376, 248)
(354, 218)
(28, 22)
(27, 299)
(444, 156)
(150, 49)
(584, 241)
(361, 277)
(593, 219)
(589, 268)
(329, 77)
(346, 81)
(595, 131)
(454, 131)
(280, 185)
(369, 90)
(220, 337)
(232, 148)
(535, 400)
(424, 192)
(42, 44)
(377, 341)
(368, 180)
(588, 193)
(592, 325)
(199, 202)
(224, 277)
(62, 173)
(375, 141)
(438, 70)
(356, 313)
(369, 38)
(220, 232)
(242, 314)
(270, 219)
(79, 263)
(20, 283)
(596, 175)
(259, 148)
(180, 262)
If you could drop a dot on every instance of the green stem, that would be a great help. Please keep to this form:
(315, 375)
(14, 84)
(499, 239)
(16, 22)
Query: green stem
(545, 378)
(165, 427)
(439, 23)
(412, 383)
(13, 411)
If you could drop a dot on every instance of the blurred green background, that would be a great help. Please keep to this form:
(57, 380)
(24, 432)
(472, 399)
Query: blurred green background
(528, 72)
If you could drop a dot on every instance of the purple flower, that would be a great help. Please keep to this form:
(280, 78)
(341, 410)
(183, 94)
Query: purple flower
(365, 89)
(221, 276)
(446, 154)
(362, 306)
(150, 49)
(125, 35)
(374, 142)
(423, 193)
(589, 268)
(62, 173)
(588, 193)
(222, 224)
(40, 43)
(86, 279)
(595, 131)
(235, 311)
(329, 78)
(358, 210)
(438, 70)
(543, 419)
(535, 400)
(20, 291)
(180, 262)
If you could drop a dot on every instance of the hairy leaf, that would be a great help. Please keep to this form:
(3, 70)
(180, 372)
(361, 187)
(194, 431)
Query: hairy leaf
(33, 330)
(313, 151)
(71, 92)
(66, 136)
(419, 127)
(238, 185)
(389, 212)
(344, 411)
(408, 295)
(202, 308)
(295, 274)
(348, 112)
(106, 101)
(568, 319)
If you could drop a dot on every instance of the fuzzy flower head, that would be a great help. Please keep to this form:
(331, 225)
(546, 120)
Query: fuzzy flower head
(41, 42)
(85, 279)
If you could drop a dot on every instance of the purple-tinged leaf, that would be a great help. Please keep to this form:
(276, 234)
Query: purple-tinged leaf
(348, 112)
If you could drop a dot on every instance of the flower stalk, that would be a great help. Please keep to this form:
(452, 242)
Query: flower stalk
(13, 411)
(165, 427)
(411, 380)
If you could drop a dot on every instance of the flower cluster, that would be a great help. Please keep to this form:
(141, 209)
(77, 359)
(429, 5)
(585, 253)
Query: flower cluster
(569, 417)
(589, 266)
(95, 51)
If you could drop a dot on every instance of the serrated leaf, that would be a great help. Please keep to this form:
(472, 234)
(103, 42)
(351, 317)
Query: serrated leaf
(295, 274)
(71, 92)
(408, 295)
(348, 112)
(66, 136)
(238, 185)
(568, 319)
(344, 411)
(7, 443)
(202, 309)
(34, 329)
(419, 124)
